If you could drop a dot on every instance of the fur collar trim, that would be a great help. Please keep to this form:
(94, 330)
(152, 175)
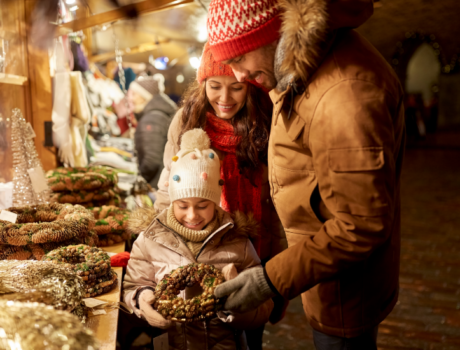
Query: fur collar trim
(244, 226)
(308, 30)
(304, 29)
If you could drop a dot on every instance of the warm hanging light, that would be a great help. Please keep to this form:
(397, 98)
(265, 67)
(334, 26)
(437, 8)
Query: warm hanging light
(70, 2)
(180, 78)
(195, 62)
(161, 63)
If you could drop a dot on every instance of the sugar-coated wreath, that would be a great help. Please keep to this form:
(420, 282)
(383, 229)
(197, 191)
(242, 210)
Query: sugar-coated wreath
(46, 223)
(81, 178)
(199, 308)
(88, 262)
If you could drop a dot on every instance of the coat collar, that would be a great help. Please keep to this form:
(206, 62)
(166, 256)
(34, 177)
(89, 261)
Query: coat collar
(159, 232)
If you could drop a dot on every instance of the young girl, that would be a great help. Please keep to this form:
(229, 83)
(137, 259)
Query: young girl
(193, 229)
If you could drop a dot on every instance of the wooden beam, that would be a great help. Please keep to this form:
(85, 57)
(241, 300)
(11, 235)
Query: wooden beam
(143, 7)
(129, 51)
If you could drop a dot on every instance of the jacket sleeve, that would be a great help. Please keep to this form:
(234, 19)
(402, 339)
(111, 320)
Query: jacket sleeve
(139, 273)
(352, 142)
(152, 130)
(171, 148)
(259, 316)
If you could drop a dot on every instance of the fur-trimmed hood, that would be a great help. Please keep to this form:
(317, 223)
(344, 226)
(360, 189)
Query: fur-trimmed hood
(307, 28)
(243, 226)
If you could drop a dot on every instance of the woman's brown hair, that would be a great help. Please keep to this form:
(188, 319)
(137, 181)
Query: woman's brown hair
(251, 123)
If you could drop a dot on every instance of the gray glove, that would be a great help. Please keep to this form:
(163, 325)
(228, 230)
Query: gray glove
(246, 292)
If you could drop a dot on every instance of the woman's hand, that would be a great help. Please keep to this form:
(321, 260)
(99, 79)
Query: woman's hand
(154, 318)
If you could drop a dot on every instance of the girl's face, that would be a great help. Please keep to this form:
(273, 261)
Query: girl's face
(194, 213)
(226, 95)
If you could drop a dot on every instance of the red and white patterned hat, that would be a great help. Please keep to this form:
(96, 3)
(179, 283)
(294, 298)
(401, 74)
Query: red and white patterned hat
(236, 27)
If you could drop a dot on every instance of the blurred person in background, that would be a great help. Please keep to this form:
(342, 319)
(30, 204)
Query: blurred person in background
(154, 111)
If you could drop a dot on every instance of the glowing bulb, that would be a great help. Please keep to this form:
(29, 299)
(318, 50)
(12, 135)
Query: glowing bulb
(180, 78)
(70, 2)
(195, 62)
(74, 8)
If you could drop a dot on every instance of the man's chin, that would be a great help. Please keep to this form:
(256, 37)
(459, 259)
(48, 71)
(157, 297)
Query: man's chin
(267, 82)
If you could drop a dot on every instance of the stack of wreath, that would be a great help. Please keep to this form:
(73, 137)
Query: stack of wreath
(110, 225)
(43, 228)
(88, 186)
(90, 263)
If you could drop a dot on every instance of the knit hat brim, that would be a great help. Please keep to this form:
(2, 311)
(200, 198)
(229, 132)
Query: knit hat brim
(250, 41)
(202, 192)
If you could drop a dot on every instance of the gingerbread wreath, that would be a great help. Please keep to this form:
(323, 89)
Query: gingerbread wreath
(90, 263)
(199, 308)
(45, 224)
(81, 179)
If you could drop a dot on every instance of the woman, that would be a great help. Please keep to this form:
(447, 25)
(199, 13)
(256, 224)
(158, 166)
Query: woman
(237, 118)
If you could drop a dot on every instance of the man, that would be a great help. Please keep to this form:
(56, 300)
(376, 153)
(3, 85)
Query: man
(335, 155)
(154, 111)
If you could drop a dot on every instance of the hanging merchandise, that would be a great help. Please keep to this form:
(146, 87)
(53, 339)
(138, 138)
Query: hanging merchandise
(140, 184)
(61, 107)
(80, 118)
(31, 325)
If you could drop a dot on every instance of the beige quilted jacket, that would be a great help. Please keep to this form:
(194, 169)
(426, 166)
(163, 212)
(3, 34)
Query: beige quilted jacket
(158, 250)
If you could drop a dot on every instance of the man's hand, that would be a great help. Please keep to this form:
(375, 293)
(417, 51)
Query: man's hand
(245, 292)
(153, 317)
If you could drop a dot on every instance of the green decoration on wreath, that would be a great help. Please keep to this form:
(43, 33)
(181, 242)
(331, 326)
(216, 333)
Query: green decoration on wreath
(198, 308)
(46, 223)
(81, 179)
(90, 263)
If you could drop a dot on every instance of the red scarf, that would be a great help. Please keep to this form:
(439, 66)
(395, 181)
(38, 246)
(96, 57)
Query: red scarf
(237, 193)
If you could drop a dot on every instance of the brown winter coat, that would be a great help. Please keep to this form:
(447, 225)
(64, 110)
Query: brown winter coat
(272, 233)
(158, 250)
(334, 168)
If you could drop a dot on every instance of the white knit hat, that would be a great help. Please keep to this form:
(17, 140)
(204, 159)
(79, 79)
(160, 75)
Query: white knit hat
(195, 171)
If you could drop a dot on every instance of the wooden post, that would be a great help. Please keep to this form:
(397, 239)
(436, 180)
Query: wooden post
(40, 98)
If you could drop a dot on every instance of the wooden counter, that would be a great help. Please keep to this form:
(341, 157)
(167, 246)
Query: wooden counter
(105, 326)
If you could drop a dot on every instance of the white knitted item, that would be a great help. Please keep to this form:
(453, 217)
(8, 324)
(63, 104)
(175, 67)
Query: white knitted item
(196, 171)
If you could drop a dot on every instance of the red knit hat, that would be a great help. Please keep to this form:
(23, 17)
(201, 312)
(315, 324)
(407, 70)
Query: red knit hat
(210, 68)
(236, 27)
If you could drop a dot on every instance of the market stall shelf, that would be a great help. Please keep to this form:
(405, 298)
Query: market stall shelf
(104, 326)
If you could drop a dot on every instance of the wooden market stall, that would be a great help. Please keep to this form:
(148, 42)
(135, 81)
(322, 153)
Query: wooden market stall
(26, 82)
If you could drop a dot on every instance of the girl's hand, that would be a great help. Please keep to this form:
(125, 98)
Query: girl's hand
(154, 318)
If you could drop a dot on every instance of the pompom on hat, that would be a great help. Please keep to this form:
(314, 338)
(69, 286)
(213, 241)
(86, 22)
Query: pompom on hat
(236, 27)
(195, 171)
(210, 68)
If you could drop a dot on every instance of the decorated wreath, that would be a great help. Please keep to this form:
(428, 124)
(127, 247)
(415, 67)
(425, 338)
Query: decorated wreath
(90, 263)
(46, 223)
(110, 219)
(81, 179)
(101, 285)
(83, 196)
(172, 307)
(37, 251)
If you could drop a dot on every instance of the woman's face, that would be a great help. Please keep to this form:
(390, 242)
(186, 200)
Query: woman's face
(194, 213)
(226, 95)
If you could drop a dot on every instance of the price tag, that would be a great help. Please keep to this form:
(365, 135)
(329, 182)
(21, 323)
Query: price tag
(6, 215)
(161, 342)
(29, 132)
(98, 312)
(91, 302)
(38, 179)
